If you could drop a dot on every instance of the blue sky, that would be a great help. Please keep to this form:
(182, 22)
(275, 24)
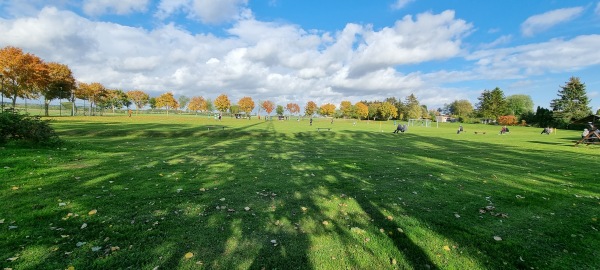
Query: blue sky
(324, 51)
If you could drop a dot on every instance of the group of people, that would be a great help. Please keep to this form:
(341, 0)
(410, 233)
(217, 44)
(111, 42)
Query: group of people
(504, 130)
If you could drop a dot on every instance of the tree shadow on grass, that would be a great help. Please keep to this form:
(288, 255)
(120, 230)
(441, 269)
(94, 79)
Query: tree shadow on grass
(155, 211)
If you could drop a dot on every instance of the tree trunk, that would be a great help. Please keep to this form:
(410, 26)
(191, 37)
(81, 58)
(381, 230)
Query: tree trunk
(46, 105)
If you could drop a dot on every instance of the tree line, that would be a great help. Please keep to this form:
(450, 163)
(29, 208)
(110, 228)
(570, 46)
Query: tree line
(26, 76)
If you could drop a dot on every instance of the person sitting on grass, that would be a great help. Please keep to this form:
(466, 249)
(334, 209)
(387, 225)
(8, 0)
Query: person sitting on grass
(546, 131)
(585, 133)
(460, 129)
(401, 128)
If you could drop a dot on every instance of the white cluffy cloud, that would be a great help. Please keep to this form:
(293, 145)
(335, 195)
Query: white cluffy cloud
(206, 11)
(399, 4)
(544, 21)
(121, 7)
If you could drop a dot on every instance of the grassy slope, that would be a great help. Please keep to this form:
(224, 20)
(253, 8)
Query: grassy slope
(356, 197)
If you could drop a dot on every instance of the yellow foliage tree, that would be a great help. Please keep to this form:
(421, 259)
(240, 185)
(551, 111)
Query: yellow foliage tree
(167, 100)
(346, 108)
(26, 74)
(268, 106)
(327, 109)
(198, 104)
(246, 105)
(222, 103)
(60, 84)
(388, 110)
(139, 98)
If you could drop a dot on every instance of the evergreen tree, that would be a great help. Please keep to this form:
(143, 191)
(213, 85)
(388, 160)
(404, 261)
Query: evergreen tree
(413, 108)
(572, 102)
(492, 104)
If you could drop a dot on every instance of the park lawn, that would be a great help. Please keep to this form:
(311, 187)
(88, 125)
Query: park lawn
(181, 192)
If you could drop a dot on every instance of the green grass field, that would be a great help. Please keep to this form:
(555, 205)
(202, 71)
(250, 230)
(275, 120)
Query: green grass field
(181, 192)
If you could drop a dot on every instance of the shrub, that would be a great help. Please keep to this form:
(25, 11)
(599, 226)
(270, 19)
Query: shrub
(15, 126)
(508, 120)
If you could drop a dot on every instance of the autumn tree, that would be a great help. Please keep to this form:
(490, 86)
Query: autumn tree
(25, 73)
(413, 108)
(139, 98)
(197, 104)
(246, 105)
(492, 104)
(183, 101)
(373, 108)
(346, 108)
(268, 106)
(572, 102)
(327, 109)
(508, 120)
(222, 103)
(292, 108)
(91, 92)
(152, 103)
(60, 84)
(362, 110)
(166, 100)
(387, 110)
(310, 108)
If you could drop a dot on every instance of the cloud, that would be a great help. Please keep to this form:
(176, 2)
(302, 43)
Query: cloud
(544, 21)
(206, 11)
(399, 4)
(429, 37)
(121, 7)
(553, 56)
(499, 41)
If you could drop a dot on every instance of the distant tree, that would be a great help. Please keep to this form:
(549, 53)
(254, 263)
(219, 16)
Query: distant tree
(292, 108)
(492, 104)
(152, 103)
(197, 104)
(387, 110)
(310, 108)
(279, 110)
(268, 106)
(210, 107)
(114, 99)
(139, 98)
(327, 109)
(598, 112)
(461, 108)
(166, 100)
(92, 92)
(234, 109)
(543, 117)
(413, 107)
(519, 104)
(222, 103)
(572, 102)
(183, 101)
(246, 105)
(60, 84)
(346, 108)
(25, 73)
(362, 110)
(374, 110)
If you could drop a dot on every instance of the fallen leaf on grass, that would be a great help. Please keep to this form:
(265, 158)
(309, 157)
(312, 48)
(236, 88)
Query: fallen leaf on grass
(92, 212)
(62, 204)
(12, 227)
(114, 248)
(15, 188)
(84, 225)
(446, 248)
(189, 255)
(80, 244)
(325, 222)
(71, 268)
(1, 221)
(247, 208)
(520, 197)
(94, 249)
(497, 238)
(12, 259)
(390, 218)
(202, 189)
(457, 215)
(303, 209)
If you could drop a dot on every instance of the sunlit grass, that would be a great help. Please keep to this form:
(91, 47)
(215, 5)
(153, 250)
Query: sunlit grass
(279, 194)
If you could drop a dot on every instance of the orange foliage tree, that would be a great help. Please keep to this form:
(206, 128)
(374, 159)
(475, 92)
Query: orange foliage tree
(268, 106)
(293, 108)
(310, 108)
(26, 73)
(91, 92)
(198, 104)
(246, 105)
(139, 98)
(222, 103)
(60, 84)
(362, 110)
(508, 120)
(167, 100)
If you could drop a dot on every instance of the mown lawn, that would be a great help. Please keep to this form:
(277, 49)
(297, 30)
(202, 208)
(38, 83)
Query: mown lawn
(180, 192)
